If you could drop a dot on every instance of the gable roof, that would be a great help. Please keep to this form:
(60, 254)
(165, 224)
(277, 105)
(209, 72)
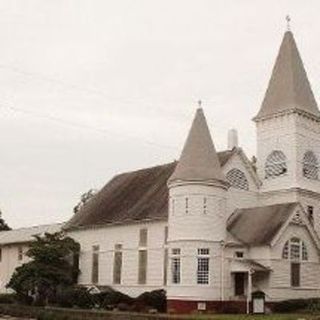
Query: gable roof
(259, 225)
(131, 197)
(25, 235)
(199, 160)
(289, 88)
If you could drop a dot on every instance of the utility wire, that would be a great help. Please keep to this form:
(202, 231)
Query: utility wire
(81, 126)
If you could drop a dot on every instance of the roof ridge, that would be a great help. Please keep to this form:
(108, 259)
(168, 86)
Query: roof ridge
(34, 226)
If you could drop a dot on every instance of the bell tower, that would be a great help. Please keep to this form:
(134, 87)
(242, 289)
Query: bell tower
(288, 125)
(288, 135)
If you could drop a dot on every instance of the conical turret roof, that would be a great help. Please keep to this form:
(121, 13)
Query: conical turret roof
(289, 87)
(199, 160)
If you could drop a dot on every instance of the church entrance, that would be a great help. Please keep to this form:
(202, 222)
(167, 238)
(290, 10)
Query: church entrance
(239, 283)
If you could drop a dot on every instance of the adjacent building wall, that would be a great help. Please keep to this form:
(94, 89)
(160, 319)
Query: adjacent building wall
(10, 260)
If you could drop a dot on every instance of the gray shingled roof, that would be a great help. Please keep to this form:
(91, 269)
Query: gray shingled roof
(132, 196)
(25, 235)
(259, 225)
(289, 87)
(199, 160)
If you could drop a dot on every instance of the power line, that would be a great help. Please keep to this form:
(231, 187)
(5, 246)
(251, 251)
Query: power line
(81, 126)
(72, 86)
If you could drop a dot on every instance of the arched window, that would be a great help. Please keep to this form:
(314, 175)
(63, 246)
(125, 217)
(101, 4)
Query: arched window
(237, 179)
(310, 165)
(276, 164)
(295, 250)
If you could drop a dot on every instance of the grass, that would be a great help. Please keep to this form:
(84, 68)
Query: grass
(256, 317)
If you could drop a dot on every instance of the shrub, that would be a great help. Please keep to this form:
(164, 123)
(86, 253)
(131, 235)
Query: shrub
(111, 298)
(152, 299)
(75, 297)
(8, 298)
(297, 305)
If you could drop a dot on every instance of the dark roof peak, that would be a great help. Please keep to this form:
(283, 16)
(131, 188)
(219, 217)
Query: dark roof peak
(289, 88)
(199, 160)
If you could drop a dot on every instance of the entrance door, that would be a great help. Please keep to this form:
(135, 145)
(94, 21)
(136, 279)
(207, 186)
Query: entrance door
(239, 281)
(258, 305)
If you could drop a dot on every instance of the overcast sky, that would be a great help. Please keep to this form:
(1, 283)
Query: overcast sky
(90, 88)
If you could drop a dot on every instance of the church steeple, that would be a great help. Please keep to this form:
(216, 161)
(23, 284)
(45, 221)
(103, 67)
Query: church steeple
(289, 88)
(199, 160)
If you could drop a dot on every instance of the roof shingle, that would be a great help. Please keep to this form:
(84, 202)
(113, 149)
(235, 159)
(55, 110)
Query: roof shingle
(131, 196)
(259, 225)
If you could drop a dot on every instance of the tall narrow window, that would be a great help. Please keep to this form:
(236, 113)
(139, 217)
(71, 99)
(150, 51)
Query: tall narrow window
(165, 266)
(166, 234)
(276, 164)
(0, 254)
(117, 264)
(95, 265)
(173, 206)
(304, 252)
(295, 274)
(296, 251)
(187, 205)
(203, 266)
(176, 266)
(143, 237)
(20, 253)
(310, 166)
(143, 261)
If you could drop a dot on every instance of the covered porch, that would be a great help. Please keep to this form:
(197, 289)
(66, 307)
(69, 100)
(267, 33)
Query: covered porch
(247, 276)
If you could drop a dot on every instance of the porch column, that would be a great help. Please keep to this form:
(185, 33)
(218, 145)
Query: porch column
(249, 291)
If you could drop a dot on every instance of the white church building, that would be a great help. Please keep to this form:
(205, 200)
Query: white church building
(214, 228)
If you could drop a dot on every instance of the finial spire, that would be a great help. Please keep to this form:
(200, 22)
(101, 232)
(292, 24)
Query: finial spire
(199, 103)
(199, 160)
(288, 19)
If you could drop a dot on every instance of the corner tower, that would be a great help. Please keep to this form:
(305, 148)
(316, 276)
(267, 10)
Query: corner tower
(197, 220)
(288, 134)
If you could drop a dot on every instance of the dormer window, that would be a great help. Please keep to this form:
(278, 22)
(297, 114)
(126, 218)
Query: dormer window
(237, 179)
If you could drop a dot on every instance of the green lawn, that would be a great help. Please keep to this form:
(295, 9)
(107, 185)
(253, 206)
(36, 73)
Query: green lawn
(256, 317)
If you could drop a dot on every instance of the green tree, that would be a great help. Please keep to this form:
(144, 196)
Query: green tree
(84, 199)
(53, 266)
(3, 225)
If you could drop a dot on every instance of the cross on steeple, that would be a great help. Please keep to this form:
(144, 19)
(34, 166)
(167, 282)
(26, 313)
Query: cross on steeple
(288, 19)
